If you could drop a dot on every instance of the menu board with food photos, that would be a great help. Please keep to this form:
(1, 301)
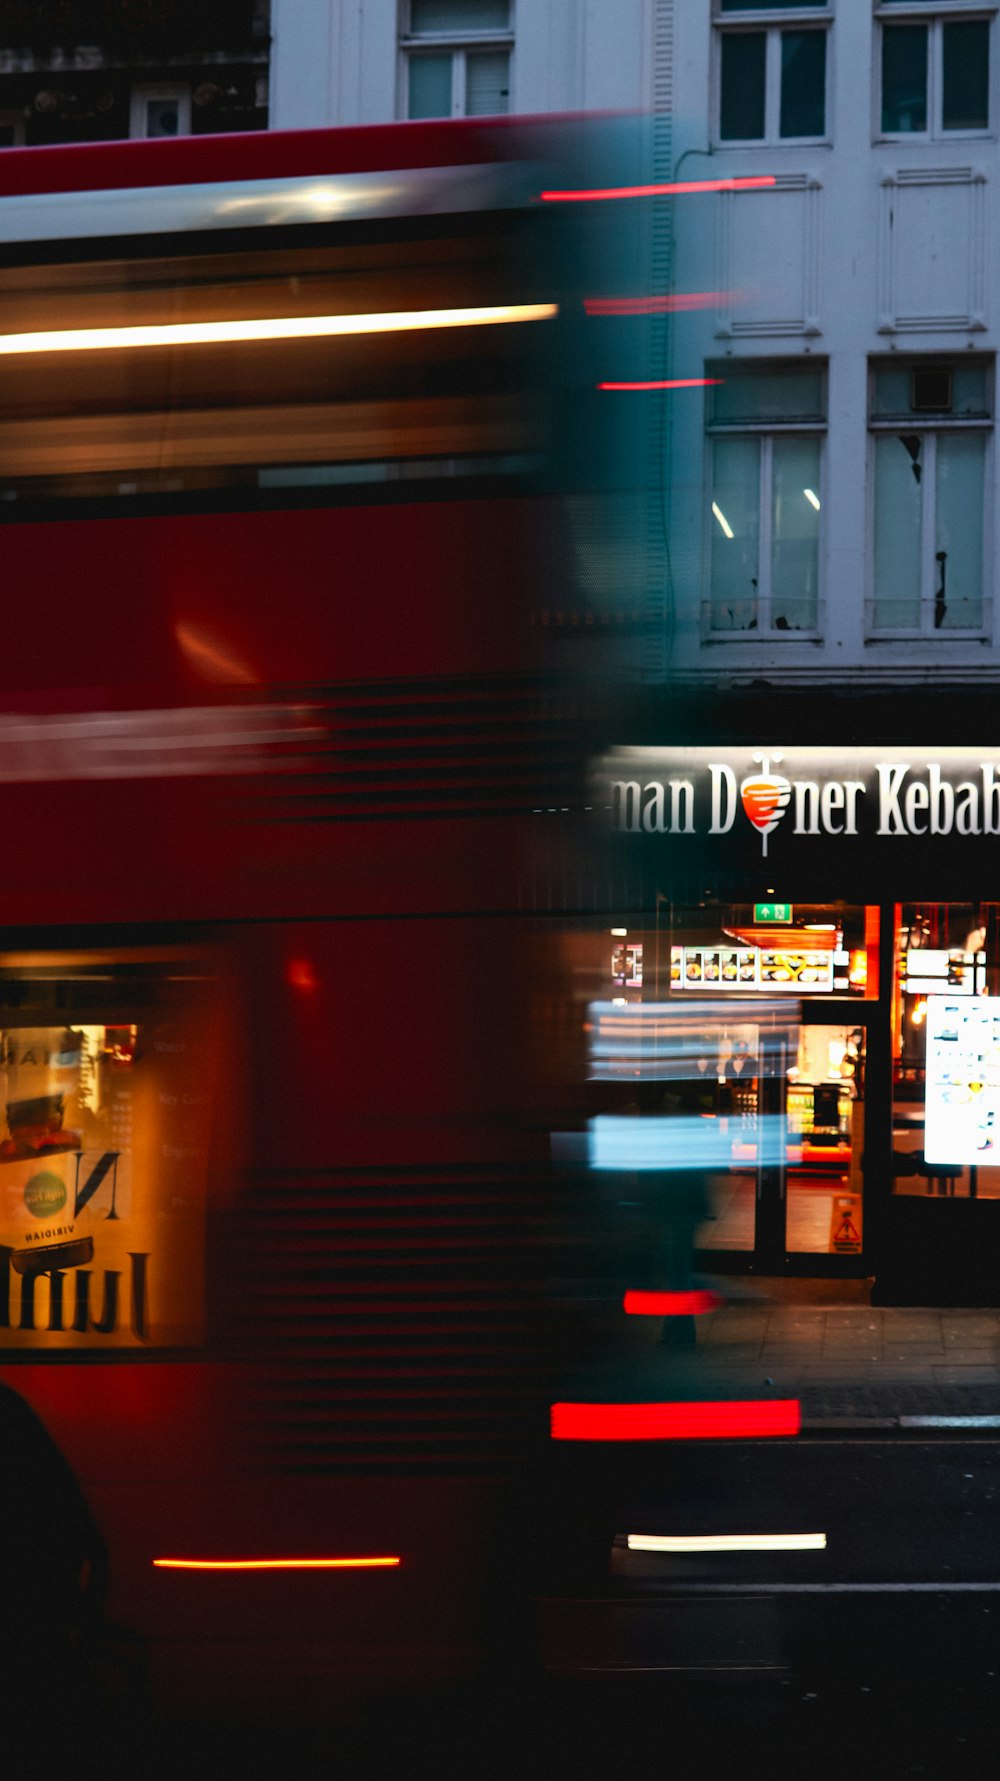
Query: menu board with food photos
(962, 1109)
(750, 968)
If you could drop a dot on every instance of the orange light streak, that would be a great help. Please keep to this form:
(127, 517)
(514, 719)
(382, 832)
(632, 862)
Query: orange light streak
(656, 305)
(660, 191)
(273, 1564)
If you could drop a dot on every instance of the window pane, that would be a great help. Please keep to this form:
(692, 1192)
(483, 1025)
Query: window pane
(457, 16)
(487, 83)
(897, 531)
(765, 392)
(766, 5)
(735, 533)
(958, 579)
(803, 83)
(795, 534)
(904, 77)
(892, 389)
(430, 86)
(741, 104)
(965, 101)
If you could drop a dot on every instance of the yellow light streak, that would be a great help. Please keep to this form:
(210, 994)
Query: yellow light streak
(286, 327)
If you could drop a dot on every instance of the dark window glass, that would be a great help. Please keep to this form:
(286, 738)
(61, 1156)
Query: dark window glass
(766, 5)
(741, 110)
(965, 100)
(904, 77)
(803, 83)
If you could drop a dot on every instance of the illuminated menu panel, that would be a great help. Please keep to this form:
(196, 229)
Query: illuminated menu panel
(750, 968)
(963, 1080)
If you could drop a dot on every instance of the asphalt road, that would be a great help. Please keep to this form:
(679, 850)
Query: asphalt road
(878, 1655)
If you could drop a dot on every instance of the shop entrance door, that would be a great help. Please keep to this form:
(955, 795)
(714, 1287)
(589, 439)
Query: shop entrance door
(787, 1191)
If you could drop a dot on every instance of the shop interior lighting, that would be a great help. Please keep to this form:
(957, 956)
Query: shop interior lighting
(812, 497)
(727, 1542)
(620, 932)
(724, 523)
(276, 1564)
(282, 327)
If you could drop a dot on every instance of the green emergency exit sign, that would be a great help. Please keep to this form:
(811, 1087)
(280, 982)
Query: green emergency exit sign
(772, 912)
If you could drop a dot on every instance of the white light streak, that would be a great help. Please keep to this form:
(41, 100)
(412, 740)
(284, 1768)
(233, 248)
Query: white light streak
(724, 523)
(810, 495)
(727, 1542)
(286, 327)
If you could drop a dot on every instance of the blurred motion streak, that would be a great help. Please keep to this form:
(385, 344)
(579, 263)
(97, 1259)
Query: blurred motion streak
(727, 1542)
(152, 744)
(739, 1420)
(661, 191)
(273, 1564)
(671, 1304)
(286, 327)
(213, 658)
(657, 305)
(664, 383)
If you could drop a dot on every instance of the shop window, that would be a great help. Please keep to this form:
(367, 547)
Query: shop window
(930, 423)
(946, 1058)
(935, 70)
(771, 76)
(161, 111)
(766, 426)
(456, 57)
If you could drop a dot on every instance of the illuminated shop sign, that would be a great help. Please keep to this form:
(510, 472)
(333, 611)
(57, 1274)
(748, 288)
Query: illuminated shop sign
(962, 1111)
(745, 968)
(103, 1153)
(888, 795)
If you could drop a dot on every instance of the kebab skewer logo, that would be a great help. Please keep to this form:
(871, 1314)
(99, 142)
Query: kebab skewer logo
(765, 797)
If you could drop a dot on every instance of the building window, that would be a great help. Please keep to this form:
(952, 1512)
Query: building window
(161, 111)
(456, 57)
(931, 424)
(935, 71)
(771, 77)
(765, 439)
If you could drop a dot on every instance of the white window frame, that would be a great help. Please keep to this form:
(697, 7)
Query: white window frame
(929, 431)
(934, 14)
(773, 21)
(459, 45)
(766, 432)
(178, 92)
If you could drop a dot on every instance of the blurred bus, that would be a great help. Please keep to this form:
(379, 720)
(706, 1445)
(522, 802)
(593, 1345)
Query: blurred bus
(280, 512)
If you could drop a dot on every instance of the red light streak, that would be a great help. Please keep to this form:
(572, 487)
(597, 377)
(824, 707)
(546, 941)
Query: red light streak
(671, 1304)
(656, 305)
(273, 1564)
(664, 383)
(660, 191)
(301, 975)
(675, 1422)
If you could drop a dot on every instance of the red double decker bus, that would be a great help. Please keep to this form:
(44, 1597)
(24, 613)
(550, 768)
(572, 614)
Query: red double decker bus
(279, 521)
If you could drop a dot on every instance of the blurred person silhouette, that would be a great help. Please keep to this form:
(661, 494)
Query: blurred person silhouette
(677, 1197)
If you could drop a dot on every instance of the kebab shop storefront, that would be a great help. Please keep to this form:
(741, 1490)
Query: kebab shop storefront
(807, 962)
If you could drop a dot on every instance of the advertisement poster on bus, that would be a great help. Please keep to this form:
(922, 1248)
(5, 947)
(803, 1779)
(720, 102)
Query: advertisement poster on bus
(103, 1154)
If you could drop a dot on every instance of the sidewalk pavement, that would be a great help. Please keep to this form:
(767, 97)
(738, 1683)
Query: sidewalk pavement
(847, 1363)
